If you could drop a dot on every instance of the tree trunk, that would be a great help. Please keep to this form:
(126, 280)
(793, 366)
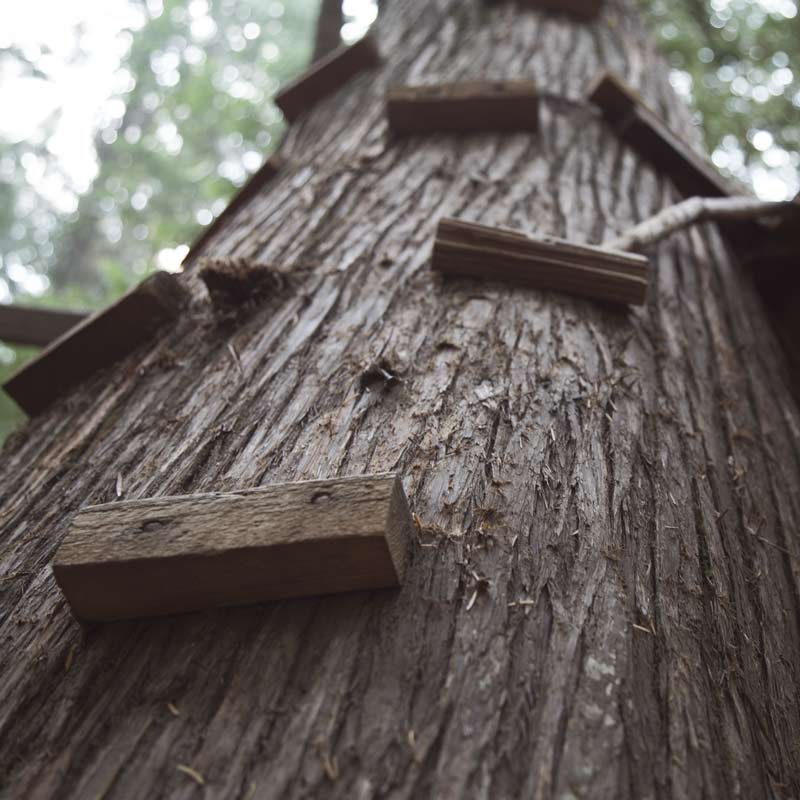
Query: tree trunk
(328, 34)
(602, 600)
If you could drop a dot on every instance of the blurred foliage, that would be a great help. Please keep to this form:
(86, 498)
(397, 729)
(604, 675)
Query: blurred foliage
(736, 61)
(191, 118)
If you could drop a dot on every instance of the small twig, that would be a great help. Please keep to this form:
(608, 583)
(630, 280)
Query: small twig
(701, 209)
(236, 359)
(330, 765)
(192, 773)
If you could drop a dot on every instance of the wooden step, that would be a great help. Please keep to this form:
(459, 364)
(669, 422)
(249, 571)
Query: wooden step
(143, 558)
(584, 9)
(35, 326)
(98, 341)
(542, 262)
(464, 107)
(639, 126)
(326, 76)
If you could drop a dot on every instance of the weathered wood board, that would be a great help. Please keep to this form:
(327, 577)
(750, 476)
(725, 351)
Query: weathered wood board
(585, 9)
(96, 342)
(326, 76)
(463, 107)
(143, 558)
(542, 262)
(643, 130)
(262, 176)
(35, 326)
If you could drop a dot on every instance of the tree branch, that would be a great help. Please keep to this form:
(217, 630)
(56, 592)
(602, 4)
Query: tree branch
(700, 209)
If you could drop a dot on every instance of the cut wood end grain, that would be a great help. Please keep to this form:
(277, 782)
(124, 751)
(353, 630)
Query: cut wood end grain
(463, 107)
(326, 76)
(467, 249)
(97, 342)
(207, 550)
(612, 95)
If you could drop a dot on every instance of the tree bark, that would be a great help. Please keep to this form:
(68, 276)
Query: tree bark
(328, 34)
(603, 597)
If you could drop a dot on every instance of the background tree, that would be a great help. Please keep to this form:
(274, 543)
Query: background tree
(735, 61)
(602, 597)
(189, 72)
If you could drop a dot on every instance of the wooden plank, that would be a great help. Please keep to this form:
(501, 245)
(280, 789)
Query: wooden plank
(96, 342)
(143, 558)
(643, 130)
(326, 76)
(262, 176)
(35, 326)
(463, 107)
(584, 9)
(542, 262)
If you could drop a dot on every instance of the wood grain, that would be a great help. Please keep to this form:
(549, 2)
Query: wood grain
(327, 75)
(165, 555)
(642, 129)
(96, 342)
(463, 107)
(542, 262)
(35, 326)
(584, 9)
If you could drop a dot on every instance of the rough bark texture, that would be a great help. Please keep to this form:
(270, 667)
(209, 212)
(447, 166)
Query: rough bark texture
(603, 599)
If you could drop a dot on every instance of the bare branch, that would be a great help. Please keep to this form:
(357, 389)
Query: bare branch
(700, 209)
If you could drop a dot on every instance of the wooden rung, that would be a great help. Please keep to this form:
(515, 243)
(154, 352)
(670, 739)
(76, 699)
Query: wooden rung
(641, 128)
(96, 342)
(585, 9)
(613, 96)
(263, 175)
(143, 558)
(463, 107)
(542, 262)
(326, 76)
(35, 326)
